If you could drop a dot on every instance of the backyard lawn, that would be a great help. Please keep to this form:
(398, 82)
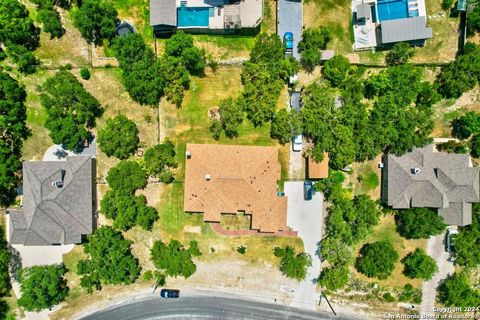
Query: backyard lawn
(386, 231)
(336, 14)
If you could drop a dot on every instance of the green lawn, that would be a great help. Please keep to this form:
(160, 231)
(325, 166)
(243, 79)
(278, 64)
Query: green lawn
(386, 231)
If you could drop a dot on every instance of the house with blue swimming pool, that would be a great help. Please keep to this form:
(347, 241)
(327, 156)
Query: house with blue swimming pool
(205, 16)
(382, 23)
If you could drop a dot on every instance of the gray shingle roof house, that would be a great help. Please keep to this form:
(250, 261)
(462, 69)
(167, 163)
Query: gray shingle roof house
(59, 202)
(427, 179)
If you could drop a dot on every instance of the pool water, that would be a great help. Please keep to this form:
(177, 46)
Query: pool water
(392, 9)
(192, 17)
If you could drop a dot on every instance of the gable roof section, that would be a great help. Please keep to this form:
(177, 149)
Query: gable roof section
(241, 178)
(55, 214)
(408, 29)
(163, 12)
(443, 181)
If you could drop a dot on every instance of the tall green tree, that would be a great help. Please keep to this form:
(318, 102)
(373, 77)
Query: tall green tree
(181, 46)
(231, 114)
(174, 259)
(311, 46)
(96, 20)
(467, 242)
(336, 70)
(419, 265)
(400, 54)
(109, 261)
(293, 265)
(42, 287)
(418, 223)
(16, 27)
(456, 291)
(52, 24)
(466, 125)
(119, 137)
(4, 263)
(377, 259)
(334, 278)
(127, 177)
(13, 116)
(285, 125)
(159, 160)
(70, 109)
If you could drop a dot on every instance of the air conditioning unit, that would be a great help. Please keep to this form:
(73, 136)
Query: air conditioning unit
(415, 170)
(208, 177)
(188, 154)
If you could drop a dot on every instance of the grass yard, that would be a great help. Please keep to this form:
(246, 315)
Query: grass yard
(365, 178)
(336, 14)
(106, 85)
(386, 231)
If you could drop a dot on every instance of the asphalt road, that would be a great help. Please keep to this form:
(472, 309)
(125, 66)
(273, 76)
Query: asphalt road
(204, 307)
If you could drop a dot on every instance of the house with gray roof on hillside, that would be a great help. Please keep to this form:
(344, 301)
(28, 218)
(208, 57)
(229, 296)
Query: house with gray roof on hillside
(58, 203)
(424, 178)
(205, 16)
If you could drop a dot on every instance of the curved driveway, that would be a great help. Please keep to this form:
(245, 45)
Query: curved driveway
(204, 307)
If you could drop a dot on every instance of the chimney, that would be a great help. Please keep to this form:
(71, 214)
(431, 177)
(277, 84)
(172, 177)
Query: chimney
(188, 154)
(208, 177)
(415, 170)
(57, 184)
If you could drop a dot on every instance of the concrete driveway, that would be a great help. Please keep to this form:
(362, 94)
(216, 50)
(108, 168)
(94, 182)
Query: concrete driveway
(306, 217)
(436, 249)
(91, 151)
(290, 19)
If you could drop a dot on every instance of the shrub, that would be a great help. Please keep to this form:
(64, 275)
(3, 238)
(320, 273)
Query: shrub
(293, 265)
(388, 297)
(159, 160)
(85, 74)
(419, 265)
(119, 137)
(418, 223)
(127, 177)
(377, 259)
(334, 278)
(173, 258)
(242, 249)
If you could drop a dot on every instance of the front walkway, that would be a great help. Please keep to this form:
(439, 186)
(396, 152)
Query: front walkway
(306, 217)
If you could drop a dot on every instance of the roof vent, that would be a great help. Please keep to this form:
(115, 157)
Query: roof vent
(208, 177)
(57, 184)
(188, 154)
(415, 170)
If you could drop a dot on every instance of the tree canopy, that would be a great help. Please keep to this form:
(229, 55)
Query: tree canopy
(231, 115)
(419, 265)
(311, 46)
(143, 75)
(181, 46)
(334, 278)
(400, 54)
(96, 20)
(70, 109)
(377, 259)
(460, 75)
(109, 261)
(456, 291)
(293, 265)
(466, 243)
(127, 177)
(16, 27)
(418, 223)
(466, 125)
(159, 160)
(4, 263)
(286, 125)
(13, 116)
(336, 70)
(119, 137)
(174, 259)
(42, 287)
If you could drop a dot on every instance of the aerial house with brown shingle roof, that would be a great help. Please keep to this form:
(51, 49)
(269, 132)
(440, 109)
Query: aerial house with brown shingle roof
(227, 179)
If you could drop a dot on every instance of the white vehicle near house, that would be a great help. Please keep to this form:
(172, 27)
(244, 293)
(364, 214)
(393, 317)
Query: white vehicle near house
(297, 143)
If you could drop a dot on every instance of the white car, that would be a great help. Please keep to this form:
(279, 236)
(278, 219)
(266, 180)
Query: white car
(297, 143)
(451, 232)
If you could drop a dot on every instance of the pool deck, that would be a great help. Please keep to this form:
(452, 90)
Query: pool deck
(364, 33)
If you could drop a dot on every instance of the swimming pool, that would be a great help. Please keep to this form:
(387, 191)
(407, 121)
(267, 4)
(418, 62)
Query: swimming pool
(392, 9)
(192, 17)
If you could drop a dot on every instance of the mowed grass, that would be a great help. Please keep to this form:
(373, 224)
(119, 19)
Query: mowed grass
(336, 14)
(386, 231)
